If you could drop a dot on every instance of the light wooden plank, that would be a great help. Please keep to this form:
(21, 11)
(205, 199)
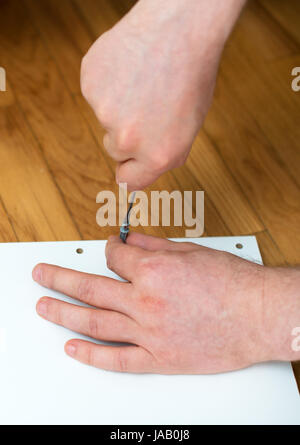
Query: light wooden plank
(260, 38)
(213, 219)
(280, 120)
(255, 125)
(270, 252)
(28, 192)
(267, 185)
(64, 34)
(68, 146)
(264, 84)
(296, 369)
(7, 234)
(205, 163)
(287, 13)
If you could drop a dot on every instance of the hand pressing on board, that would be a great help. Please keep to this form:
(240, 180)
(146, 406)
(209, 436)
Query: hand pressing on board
(185, 309)
(150, 80)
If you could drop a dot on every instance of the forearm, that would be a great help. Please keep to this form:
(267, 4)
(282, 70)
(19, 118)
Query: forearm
(282, 313)
(210, 19)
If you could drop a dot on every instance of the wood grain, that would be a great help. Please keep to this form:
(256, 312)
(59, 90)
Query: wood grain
(204, 162)
(28, 192)
(64, 35)
(7, 234)
(254, 124)
(286, 14)
(71, 152)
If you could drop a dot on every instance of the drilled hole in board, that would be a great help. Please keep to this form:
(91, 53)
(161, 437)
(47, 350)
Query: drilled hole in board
(79, 251)
(239, 246)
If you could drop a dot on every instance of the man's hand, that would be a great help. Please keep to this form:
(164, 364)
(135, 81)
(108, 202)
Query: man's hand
(150, 81)
(185, 309)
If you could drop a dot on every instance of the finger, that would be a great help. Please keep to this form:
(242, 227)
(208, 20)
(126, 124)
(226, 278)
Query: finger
(122, 258)
(135, 175)
(95, 323)
(91, 289)
(111, 147)
(153, 243)
(112, 358)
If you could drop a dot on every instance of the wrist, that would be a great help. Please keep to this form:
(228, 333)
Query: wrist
(281, 302)
(204, 19)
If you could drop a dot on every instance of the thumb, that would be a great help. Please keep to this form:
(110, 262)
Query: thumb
(153, 243)
(135, 175)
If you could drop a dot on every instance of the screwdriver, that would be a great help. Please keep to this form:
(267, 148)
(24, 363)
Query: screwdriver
(124, 230)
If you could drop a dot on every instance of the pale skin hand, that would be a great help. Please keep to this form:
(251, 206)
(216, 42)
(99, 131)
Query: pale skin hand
(150, 81)
(184, 309)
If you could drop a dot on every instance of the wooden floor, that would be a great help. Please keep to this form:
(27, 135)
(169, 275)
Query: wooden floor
(246, 158)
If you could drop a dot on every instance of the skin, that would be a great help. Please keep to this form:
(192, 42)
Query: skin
(150, 81)
(184, 309)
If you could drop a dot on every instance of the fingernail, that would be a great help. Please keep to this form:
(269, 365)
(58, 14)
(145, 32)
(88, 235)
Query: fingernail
(42, 308)
(37, 273)
(70, 349)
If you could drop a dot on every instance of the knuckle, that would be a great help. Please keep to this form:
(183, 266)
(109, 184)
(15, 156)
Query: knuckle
(160, 161)
(85, 83)
(90, 356)
(121, 360)
(126, 139)
(109, 259)
(94, 324)
(55, 312)
(103, 107)
(103, 114)
(86, 289)
(171, 155)
(146, 266)
(108, 247)
(112, 256)
(153, 264)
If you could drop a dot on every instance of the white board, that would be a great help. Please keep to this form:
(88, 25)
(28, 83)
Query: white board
(39, 384)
